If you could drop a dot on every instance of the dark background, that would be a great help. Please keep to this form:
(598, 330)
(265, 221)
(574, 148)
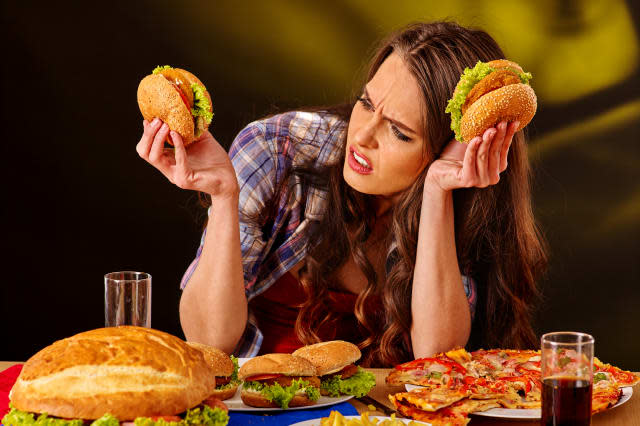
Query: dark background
(78, 202)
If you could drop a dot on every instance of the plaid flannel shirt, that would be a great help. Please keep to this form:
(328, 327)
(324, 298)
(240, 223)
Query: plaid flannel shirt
(261, 155)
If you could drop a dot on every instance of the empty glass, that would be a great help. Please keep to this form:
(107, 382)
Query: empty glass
(127, 299)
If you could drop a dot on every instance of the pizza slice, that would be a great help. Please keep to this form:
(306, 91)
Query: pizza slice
(602, 371)
(605, 394)
(435, 371)
(457, 414)
(430, 399)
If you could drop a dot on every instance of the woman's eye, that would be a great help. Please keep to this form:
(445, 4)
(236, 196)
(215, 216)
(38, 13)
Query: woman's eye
(365, 103)
(398, 134)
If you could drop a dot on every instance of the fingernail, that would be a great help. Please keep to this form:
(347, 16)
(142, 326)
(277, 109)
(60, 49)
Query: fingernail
(165, 126)
(155, 122)
(517, 123)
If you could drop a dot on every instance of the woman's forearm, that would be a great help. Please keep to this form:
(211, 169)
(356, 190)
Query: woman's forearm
(213, 307)
(440, 312)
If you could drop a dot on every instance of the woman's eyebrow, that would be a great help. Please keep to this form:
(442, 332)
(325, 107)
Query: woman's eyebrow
(396, 122)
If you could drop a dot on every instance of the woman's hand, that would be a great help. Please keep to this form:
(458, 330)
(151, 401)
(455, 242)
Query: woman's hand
(202, 166)
(476, 164)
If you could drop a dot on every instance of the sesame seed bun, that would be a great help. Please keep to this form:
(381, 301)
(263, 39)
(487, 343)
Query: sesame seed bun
(285, 364)
(329, 357)
(509, 103)
(126, 371)
(221, 366)
(219, 361)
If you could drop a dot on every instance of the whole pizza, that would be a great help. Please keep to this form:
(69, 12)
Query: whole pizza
(457, 383)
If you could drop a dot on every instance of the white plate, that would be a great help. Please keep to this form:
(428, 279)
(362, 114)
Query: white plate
(235, 403)
(316, 422)
(527, 414)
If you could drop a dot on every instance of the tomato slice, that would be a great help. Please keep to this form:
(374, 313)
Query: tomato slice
(262, 377)
(215, 403)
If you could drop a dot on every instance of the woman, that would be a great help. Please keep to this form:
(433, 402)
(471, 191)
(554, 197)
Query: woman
(370, 224)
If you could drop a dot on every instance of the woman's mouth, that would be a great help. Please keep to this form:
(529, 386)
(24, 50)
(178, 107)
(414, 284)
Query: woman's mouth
(359, 163)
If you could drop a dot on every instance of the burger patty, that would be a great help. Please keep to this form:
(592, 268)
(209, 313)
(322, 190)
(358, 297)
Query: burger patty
(345, 373)
(223, 380)
(495, 80)
(286, 380)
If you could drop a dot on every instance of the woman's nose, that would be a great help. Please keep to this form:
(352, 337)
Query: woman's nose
(366, 134)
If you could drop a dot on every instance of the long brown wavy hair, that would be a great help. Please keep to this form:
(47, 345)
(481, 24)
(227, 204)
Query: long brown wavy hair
(497, 240)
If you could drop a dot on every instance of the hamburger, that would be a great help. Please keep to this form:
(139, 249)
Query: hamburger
(179, 99)
(279, 381)
(489, 93)
(335, 363)
(224, 367)
(116, 374)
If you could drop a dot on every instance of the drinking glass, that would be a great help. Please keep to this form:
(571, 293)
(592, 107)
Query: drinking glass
(567, 378)
(127, 299)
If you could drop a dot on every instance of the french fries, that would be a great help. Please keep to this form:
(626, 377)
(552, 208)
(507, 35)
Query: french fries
(337, 419)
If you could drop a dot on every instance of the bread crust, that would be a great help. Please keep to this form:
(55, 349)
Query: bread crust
(157, 97)
(329, 357)
(255, 399)
(509, 103)
(126, 371)
(285, 364)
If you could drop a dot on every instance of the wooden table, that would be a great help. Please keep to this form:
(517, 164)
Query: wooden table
(625, 415)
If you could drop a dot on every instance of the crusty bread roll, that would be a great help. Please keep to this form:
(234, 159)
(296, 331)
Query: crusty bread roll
(221, 366)
(285, 364)
(126, 371)
(330, 357)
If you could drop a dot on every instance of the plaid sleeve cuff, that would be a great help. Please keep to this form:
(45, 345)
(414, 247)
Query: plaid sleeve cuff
(251, 340)
(471, 291)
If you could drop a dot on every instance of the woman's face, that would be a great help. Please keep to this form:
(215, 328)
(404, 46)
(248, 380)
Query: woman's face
(385, 144)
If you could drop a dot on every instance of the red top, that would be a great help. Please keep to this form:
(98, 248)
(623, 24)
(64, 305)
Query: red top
(277, 308)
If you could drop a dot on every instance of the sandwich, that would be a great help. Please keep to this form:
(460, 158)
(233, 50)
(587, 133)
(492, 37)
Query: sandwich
(179, 99)
(279, 381)
(224, 367)
(489, 93)
(335, 363)
(112, 375)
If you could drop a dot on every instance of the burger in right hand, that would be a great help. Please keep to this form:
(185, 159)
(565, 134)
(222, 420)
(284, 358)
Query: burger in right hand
(489, 93)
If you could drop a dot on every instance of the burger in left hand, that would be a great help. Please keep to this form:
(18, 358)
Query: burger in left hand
(178, 98)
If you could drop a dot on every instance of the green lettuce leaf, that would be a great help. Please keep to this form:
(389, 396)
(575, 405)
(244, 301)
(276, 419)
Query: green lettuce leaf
(17, 417)
(470, 77)
(234, 376)
(205, 416)
(201, 104)
(358, 385)
(160, 68)
(283, 395)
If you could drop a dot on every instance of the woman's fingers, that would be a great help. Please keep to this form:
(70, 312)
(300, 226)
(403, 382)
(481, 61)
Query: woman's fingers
(469, 169)
(504, 153)
(482, 163)
(150, 129)
(495, 151)
(182, 171)
(157, 147)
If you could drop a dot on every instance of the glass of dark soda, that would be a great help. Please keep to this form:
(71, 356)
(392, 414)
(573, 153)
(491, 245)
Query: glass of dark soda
(567, 378)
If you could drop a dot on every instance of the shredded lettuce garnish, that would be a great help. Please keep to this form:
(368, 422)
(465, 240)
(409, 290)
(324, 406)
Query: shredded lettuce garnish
(205, 416)
(470, 77)
(357, 385)
(201, 104)
(161, 68)
(283, 395)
